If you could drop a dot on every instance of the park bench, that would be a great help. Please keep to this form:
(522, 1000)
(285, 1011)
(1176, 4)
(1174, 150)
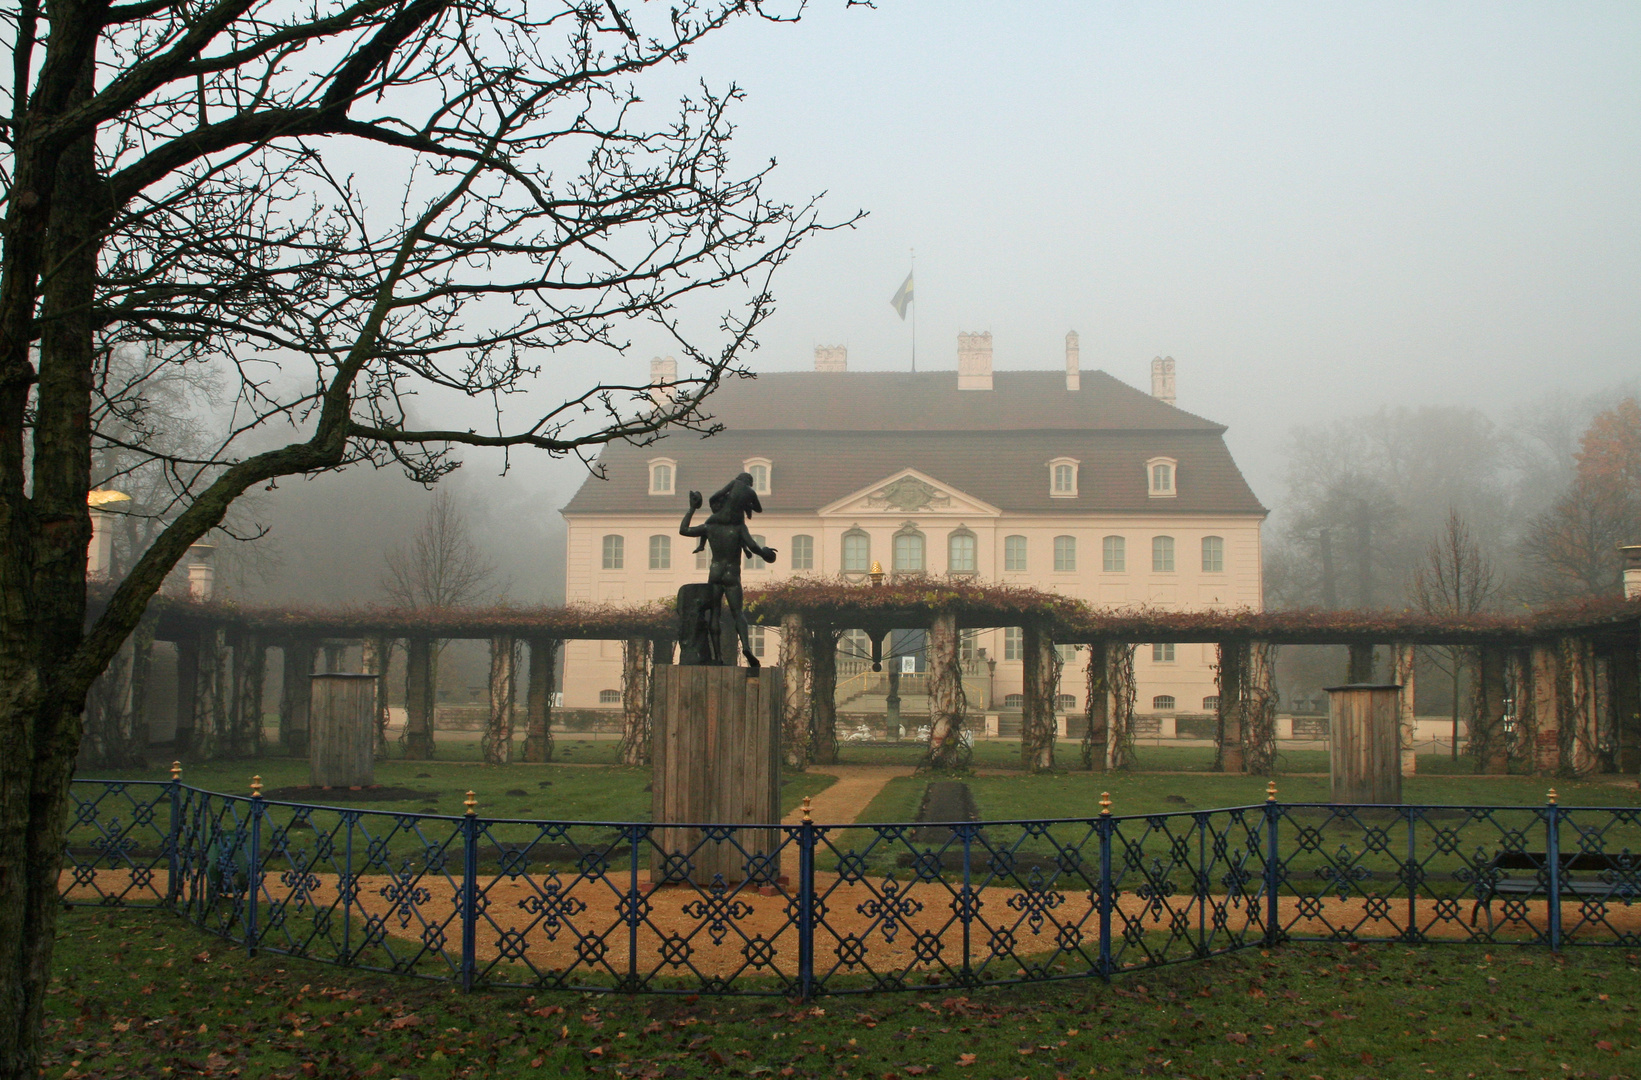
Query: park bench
(1584, 875)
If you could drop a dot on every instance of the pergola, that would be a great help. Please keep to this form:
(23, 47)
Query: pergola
(1570, 672)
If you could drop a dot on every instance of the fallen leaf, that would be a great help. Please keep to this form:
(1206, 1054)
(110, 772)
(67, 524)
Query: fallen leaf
(1238, 1037)
(916, 1070)
(965, 1059)
(405, 1022)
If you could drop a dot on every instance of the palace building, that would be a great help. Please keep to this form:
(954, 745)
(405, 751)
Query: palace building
(1068, 481)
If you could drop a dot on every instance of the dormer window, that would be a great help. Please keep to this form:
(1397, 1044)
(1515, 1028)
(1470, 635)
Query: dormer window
(662, 474)
(1062, 478)
(760, 469)
(1159, 473)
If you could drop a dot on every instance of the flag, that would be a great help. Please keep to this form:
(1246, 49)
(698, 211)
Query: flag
(903, 297)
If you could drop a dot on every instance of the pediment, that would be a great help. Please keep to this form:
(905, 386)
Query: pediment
(909, 492)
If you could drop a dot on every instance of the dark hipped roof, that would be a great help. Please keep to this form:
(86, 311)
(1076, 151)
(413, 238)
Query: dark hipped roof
(830, 434)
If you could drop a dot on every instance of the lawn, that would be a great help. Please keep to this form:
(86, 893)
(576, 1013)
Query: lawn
(141, 994)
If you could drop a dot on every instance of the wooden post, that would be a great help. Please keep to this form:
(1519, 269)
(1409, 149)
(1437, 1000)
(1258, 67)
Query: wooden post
(1097, 707)
(635, 701)
(295, 696)
(1233, 682)
(1488, 742)
(797, 708)
(420, 698)
(1365, 755)
(823, 695)
(1041, 686)
(717, 761)
(1359, 668)
(342, 750)
(948, 705)
(538, 700)
(1581, 742)
(498, 732)
(374, 658)
(1402, 656)
(250, 669)
(1626, 690)
(1120, 677)
(1546, 701)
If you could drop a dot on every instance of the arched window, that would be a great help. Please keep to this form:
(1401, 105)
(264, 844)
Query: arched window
(1163, 703)
(762, 471)
(1014, 643)
(1160, 478)
(803, 552)
(960, 553)
(857, 552)
(660, 552)
(1065, 702)
(753, 562)
(1213, 554)
(1065, 553)
(1014, 701)
(661, 476)
(1210, 703)
(908, 552)
(1062, 474)
(615, 552)
(609, 697)
(1115, 552)
(1014, 553)
(1162, 554)
(1162, 653)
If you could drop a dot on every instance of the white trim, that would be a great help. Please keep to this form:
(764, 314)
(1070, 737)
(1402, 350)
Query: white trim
(672, 475)
(1152, 488)
(972, 507)
(1053, 466)
(768, 477)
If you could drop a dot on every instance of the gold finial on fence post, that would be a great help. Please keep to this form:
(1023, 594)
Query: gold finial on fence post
(806, 818)
(256, 787)
(1105, 804)
(472, 804)
(176, 771)
(1270, 791)
(1552, 796)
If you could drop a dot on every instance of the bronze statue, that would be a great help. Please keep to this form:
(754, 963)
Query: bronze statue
(725, 532)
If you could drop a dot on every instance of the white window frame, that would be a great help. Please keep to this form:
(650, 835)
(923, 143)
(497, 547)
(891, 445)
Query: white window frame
(1159, 546)
(1218, 545)
(613, 556)
(803, 554)
(1163, 652)
(923, 551)
(768, 485)
(1055, 491)
(962, 533)
(1114, 557)
(1024, 546)
(1169, 490)
(843, 551)
(751, 561)
(1065, 566)
(1158, 706)
(1014, 643)
(655, 465)
(660, 553)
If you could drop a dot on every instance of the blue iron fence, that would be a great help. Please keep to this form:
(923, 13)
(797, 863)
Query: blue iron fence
(827, 909)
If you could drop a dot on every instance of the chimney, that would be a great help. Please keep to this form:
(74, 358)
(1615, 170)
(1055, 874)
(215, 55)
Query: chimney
(663, 373)
(201, 574)
(1162, 379)
(1632, 571)
(974, 361)
(1074, 373)
(831, 358)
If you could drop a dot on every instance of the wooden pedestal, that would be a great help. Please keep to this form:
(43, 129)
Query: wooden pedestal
(716, 751)
(1365, 743)
(342, 731)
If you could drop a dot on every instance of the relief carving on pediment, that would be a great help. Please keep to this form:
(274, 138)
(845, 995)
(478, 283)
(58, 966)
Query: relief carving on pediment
(908, 494)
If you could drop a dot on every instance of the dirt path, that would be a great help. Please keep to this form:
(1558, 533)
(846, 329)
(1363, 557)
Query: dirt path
(845, 800)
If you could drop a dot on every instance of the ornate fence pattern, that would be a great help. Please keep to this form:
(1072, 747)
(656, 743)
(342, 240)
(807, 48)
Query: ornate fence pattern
(827, 909)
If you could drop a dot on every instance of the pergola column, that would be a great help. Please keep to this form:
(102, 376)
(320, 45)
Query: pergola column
(1119, 745)
(295, 696)
(1041, 684)
(1402, 657)
(376, 652)
(1488, 743)
(498, 733)
(336, 656)
(1546, 703)
(538, 699)
(1625, 665)
(823, 695)
(1097, 706)
(635, 701)
(1581, 739)
(797, 708)
(1233, 682)
(421, 673)
(211, 694)
(1259, 709)
(245, 696)
(948, 706)
(1359, 668)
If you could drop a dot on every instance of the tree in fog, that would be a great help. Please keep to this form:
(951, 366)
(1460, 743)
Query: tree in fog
(1453, 579)
(176, 176)
(1571, 549)
(441, 567)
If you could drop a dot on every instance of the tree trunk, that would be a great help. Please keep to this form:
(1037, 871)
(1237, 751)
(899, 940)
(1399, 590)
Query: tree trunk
(498, 733)
(1402, 659)
(635, 701)
(377, 655)
(796, 718)
(421, 673)
(1097, 708)
(538, 700)
(1041, 685)
(948, 705)
(823, 695)
(295, 697)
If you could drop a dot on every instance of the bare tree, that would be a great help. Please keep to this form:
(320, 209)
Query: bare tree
(178, 174)
(442, 567)
(1454, 578)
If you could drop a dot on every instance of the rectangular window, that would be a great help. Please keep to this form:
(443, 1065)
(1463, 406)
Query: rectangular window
(1065, 480)
(857, 553)
(752, 561)
(1162, 554)
(1163, 653)
(803, 552)
(1067, 654)
(966, 646)
(660, 553)
(614, 553)
(660, 479)
(1014, 643)
(1065, 553)
(1213, 554)
(1116, 554)
(960, 553)
(909, 552)
(703, 559)
(756, 633)
(1014, 553)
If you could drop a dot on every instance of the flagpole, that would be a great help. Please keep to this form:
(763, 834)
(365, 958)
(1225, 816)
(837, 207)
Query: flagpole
(914, 310)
